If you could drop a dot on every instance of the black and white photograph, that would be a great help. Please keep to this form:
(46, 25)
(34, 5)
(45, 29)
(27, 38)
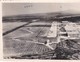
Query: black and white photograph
(43, 31)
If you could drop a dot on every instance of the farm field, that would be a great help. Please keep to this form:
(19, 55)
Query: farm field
(10, 25)
(27, 39)
(22, 41)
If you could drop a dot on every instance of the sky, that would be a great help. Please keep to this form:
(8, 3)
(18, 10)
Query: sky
(9, 9)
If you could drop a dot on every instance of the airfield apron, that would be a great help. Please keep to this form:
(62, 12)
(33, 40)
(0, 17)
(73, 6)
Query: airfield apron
(53, 32)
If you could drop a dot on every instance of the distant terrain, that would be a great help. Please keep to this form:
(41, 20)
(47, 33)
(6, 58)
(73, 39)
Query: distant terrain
(55, 16)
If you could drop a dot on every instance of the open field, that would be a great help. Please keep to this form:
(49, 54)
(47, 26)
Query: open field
(8, 26)
(22, 41)
(26, 41)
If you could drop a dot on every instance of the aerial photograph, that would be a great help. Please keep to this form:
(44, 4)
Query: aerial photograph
(41, 31)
